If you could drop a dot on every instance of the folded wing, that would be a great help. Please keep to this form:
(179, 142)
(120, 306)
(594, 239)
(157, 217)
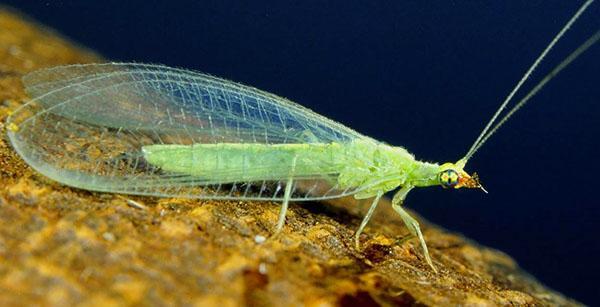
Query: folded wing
(86, 126)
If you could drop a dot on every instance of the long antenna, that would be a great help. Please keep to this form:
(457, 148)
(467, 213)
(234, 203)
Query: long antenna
(587, 44)
(479, 141)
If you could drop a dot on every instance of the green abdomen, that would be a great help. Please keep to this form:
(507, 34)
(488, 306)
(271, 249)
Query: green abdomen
(230, 162)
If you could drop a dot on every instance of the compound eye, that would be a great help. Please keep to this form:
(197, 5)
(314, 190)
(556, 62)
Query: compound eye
(449, 178)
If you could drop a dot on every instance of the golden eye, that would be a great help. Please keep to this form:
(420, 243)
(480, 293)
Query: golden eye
(449, 178)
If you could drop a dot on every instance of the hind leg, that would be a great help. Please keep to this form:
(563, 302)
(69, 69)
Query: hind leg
(287, 195)
(284, 206)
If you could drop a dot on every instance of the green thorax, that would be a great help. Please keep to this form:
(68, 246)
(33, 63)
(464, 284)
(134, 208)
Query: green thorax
(380, 167)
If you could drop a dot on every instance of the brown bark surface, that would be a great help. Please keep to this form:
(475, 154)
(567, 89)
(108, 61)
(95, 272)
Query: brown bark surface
(60, 245)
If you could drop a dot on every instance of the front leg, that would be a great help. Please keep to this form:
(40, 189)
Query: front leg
(410, 222)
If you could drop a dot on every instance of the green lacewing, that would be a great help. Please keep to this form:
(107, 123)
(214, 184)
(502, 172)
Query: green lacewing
(160, 131)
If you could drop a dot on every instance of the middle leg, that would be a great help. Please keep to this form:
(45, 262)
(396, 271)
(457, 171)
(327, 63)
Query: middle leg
(366, 220)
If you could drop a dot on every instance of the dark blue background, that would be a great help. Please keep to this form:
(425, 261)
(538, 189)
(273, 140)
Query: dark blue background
(426, 76)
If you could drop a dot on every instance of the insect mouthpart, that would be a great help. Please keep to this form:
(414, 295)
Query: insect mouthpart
(470, 182)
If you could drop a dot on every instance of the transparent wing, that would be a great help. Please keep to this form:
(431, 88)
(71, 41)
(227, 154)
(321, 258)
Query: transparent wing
(86, 125)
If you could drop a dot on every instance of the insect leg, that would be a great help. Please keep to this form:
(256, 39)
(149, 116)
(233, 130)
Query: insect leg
(286, 198)
(284, 206)
(366, 220)
(410, 222)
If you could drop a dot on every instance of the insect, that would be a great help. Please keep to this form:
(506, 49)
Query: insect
(155, 130)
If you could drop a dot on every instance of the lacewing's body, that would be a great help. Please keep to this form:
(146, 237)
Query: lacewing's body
(160, 131)
(155, 130)
(361, 166)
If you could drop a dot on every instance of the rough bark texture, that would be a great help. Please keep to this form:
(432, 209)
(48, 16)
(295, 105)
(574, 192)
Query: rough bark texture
(60, 245)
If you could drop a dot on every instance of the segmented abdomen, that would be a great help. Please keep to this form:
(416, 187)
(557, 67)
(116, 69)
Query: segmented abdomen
(234, 162)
